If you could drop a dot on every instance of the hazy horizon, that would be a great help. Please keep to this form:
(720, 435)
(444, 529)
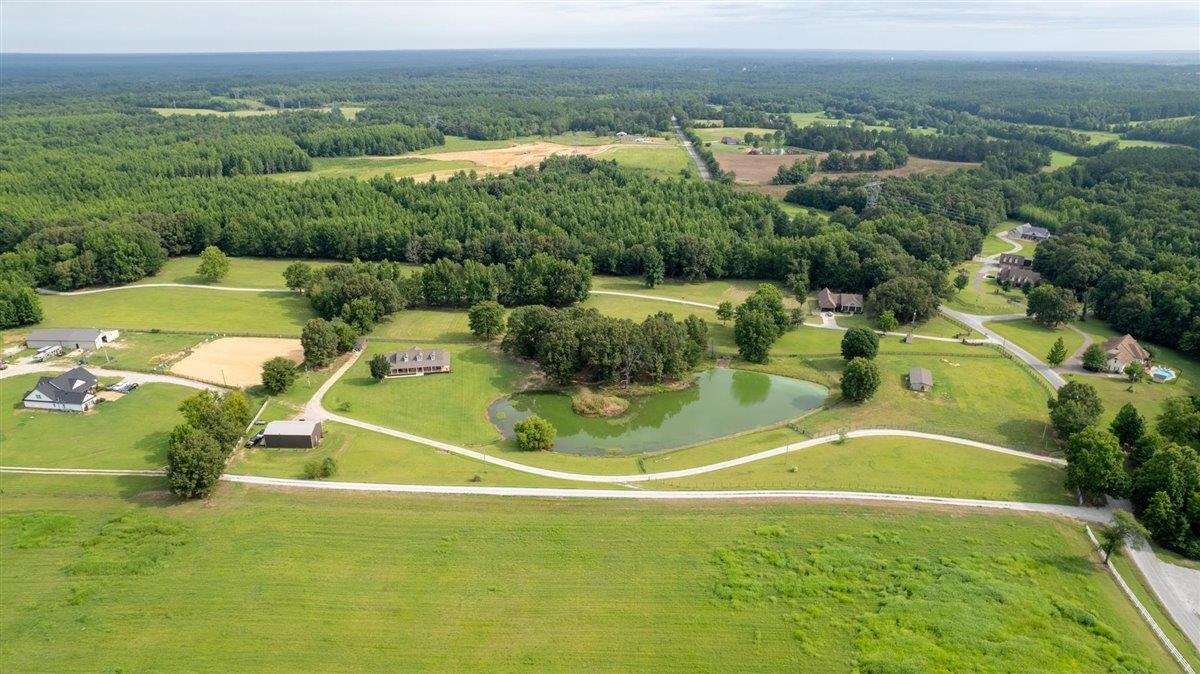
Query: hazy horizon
(288, 26)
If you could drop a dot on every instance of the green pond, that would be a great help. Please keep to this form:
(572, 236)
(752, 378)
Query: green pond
(721, 402)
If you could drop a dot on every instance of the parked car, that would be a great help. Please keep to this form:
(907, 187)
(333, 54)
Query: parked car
(3, 364)
(255, 440)
(123, 387)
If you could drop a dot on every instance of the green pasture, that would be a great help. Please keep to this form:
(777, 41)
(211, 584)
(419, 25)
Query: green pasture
(130, 433)
(142, 351)
(897, 465)
(244, 272)
(656, 161)
(1036, 338)
(188, 309)
(366, 456)
(1059, 159)
(459, 583)
(451, 407)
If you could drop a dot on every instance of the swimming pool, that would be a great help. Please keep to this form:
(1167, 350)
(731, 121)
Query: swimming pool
(1162, 374)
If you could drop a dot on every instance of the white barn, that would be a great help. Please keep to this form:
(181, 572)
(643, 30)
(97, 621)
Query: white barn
(70, 339)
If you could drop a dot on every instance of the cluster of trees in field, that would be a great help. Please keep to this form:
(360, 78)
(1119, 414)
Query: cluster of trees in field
(363, 293)
(881, 159)
(1182, 131)
(1157, 468)
(582, 344)
(199, 447)
(798, 173)
(372, 139)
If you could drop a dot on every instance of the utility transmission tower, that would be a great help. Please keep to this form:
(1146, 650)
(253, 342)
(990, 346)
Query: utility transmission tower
(873, 189)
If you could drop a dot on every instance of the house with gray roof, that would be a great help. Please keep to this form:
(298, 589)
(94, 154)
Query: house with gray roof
(68, 392)
(1030, 232)
(846, 303)
(417, 361)
(70, 339)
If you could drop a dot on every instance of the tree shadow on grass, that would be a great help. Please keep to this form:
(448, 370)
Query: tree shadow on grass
(1027, 435)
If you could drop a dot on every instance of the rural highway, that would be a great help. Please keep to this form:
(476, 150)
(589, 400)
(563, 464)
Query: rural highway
(687, 145)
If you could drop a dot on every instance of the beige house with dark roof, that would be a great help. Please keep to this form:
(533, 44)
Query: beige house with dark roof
(846, 303)
(1122, 351)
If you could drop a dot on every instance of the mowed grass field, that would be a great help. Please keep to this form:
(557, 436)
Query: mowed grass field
(655, 161)
(262, 580)
(896, 465)
(451, 407)
(1035, 337)
(365, 168)
(130, 433)
(244, 272)
(143, 351)
(190, 309)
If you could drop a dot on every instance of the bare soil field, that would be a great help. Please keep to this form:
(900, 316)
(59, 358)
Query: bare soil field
(236, 361)
(505, 159)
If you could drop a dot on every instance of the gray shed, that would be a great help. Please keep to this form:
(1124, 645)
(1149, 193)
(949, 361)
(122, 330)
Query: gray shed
(920, 379)
(292, 434)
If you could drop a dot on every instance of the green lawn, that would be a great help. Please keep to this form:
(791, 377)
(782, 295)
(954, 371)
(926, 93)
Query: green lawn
(656, 161)
(189, 309)
(1036, 338)
(425, 325)
(896, 465)
(364, 456)
(450, 407)
(365, 168)
(706, 292)
(244, 272)
(803, 119)
(390, 582)
(978, 394)
(1059, 159)
(129, 433)
(638, 309)
(143, 351)
(459, 143)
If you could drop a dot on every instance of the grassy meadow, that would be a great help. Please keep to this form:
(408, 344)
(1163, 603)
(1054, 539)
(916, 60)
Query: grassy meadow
(188, 309)
(451, 583)
(130, 433)
(365, 168)
(657, 162)
(244, 272)
(896, 465)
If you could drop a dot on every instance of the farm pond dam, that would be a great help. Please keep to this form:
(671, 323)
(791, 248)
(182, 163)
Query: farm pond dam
(719, 403)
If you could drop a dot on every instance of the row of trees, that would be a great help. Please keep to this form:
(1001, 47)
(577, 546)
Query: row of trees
(881, 159)
(581, 344)
(798, 173)
(199, 447)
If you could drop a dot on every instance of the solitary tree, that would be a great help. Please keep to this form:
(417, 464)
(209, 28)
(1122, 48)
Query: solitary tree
(379, 366)
(486, 319)
(299, 275)
(1124, 528)
(278, 375)
(725, 311)
(1050, 305)
(1076, 407)
(1096, 464)
(754, 332)
(1136, 372)
(535, 434)
(961, 279)
(653, 269)
(860, 380)
(319, 470)
(1094, 358)
(1128, 425)
(887, 321)
(195, 462)
(320, 342)
(1058, 353)
(214, 264)
(860, 343)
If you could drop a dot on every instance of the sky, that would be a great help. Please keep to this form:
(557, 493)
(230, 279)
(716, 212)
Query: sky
(107, 26)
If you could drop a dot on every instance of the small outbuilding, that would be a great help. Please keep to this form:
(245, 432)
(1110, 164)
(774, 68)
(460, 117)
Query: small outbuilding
(920, 379)
(70, 339)
(68, 392)
(292, 434)
(730, 140)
